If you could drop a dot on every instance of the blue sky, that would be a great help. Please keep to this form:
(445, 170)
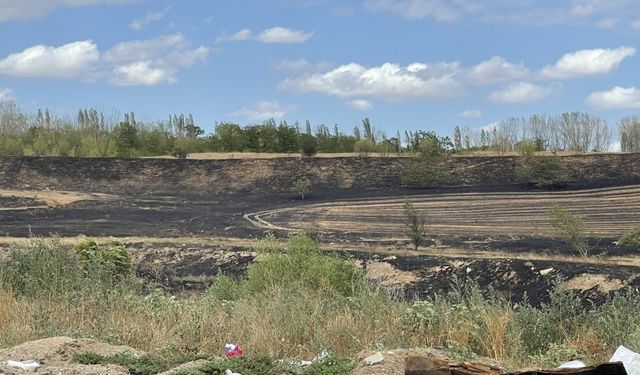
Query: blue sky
(405, 64)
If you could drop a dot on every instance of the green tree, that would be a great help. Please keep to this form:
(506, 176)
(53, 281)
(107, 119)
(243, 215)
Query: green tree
(308, 145)
(126, 139)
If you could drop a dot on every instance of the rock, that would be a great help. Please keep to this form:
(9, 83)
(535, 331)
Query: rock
(546, 271)
(421, 365)
(374, 359)
(185, 366)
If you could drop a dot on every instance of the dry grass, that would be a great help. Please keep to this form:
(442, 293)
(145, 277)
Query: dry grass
(54, 198)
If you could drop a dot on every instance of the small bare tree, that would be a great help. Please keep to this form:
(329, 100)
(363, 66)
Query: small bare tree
(414, 222)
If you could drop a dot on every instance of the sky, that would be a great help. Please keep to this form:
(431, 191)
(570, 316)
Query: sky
(405, 64)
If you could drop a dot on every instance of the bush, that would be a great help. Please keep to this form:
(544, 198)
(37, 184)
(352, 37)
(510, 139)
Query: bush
(308, 145)
(301, 186)
(571, 229)
(304, 264)
(364, 147)
(112, 255)
(545, 172)
(48, 268)
(414, 222)
(425, 173)
(631, 238)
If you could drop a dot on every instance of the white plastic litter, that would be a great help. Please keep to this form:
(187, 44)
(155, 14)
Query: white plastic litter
(573, 364)
(229, 372)
(629, 358)
(29, 365)
(374, 359)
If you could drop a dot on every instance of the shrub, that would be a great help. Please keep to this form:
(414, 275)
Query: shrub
(425, 173)
(308, 145)
(46, 267)
(631, 238)
(545, 172)
(301, 186)
(304, 264)
(414, 222)
(224, 289)
(571, 229)
(364, 147)
(113, 255)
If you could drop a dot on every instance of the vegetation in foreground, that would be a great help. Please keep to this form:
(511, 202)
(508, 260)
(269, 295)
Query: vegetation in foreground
(293, 303)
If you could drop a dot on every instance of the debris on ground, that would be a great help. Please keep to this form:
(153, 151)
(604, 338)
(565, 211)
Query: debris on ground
(233, 350)
(29, 365)
(374, 359)
(630, 359)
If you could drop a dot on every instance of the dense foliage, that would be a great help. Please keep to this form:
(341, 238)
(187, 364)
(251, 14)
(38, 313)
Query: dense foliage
(92, 133)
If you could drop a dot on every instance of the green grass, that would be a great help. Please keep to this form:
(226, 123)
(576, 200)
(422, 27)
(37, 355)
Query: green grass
(294, 303)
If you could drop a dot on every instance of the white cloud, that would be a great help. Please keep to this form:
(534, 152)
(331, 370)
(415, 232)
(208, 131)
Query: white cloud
(496, 70)
(521, 12)
(416, 9)
(360, 105)
(152, 61)
(73, 60)
(616, 98)
(263, 110)
(11, 10)
(5, 94)
(137, 62)
(301, 65)
(273, 35)
(140, 23)
(142, 73)
(520, 92)
(608, 23)
(389, 81)
(471, 113)
(244, 34)
(588, 62)
(283, 35)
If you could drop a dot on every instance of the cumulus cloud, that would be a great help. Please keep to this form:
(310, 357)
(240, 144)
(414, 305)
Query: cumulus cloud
(19, 10)
(360, 105)
(587, 62)
(471, 113)
(389, 81)
(263, 110)
(141, 73)
(139, 23)
(616, 98)
(496, 70)
(138, 62)
(273, 35)
(5, 94)
(283, 35)
(73, 60)
(521, 92)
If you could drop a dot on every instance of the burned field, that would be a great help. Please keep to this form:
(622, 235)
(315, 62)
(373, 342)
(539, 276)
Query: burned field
(183, 234)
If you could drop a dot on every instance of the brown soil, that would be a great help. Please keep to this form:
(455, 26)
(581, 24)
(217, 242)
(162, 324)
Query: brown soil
(55, 354)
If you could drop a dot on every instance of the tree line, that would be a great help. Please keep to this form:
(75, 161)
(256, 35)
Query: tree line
(92, 133)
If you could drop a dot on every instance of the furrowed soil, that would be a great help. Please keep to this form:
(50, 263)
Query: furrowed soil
(187, 221)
